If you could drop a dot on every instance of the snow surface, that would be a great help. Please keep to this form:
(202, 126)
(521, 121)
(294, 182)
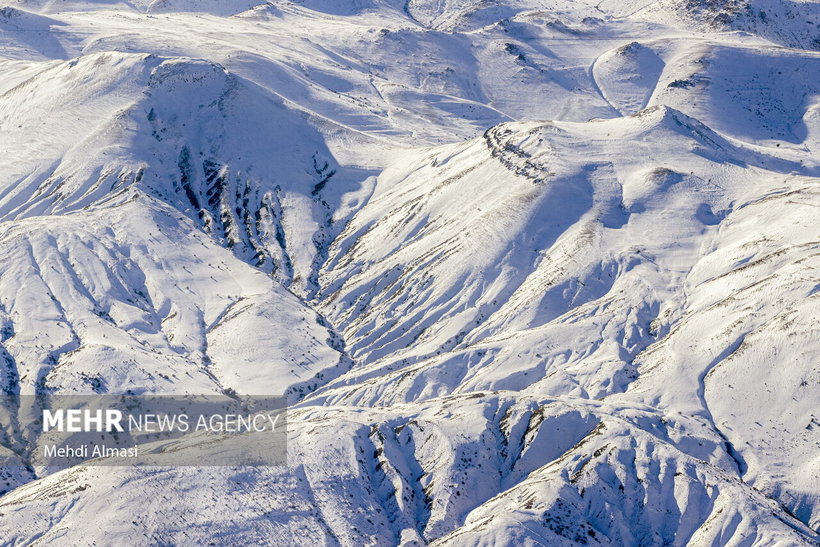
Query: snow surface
(530, 272)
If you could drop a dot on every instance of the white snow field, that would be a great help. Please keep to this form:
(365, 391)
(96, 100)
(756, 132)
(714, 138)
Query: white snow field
(530, 272)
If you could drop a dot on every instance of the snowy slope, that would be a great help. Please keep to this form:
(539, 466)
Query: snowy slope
(531, 272)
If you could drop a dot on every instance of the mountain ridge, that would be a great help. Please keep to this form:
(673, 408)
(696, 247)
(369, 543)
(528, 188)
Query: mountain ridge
(532, 272)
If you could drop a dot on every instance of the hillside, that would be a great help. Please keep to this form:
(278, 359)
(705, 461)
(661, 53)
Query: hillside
(529, 272)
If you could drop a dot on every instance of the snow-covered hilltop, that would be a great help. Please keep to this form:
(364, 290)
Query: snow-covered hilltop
(531, 272)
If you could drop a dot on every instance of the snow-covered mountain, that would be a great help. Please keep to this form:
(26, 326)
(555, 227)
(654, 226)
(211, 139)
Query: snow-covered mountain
(530, 272)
